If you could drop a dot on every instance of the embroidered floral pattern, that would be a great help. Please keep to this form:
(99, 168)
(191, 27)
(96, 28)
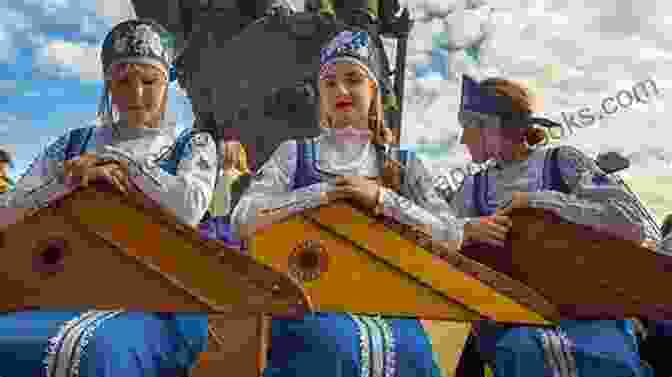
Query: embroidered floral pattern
(389, 348)
(377, 346)
(558, 353)
(364, 345)
(85, 339)
(55, 342)
(356, 43)
(139, 40)
(377, 351)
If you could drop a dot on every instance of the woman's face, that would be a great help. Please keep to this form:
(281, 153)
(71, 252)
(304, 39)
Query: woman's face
(347, 93)
(472, 136)
(4, 169)
(139, 91)
(485, 139)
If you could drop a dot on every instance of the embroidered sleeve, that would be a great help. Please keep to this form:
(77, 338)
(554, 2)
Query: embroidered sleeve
(595, 199)
(420, 204)
(42, 180)
(189, 191)
(666, 244)
(271, 188)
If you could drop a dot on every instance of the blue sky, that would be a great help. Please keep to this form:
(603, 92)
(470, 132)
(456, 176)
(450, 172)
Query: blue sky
(50, 73)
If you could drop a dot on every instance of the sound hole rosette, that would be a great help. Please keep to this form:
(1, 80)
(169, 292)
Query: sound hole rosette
(49, 255)
(308, 261)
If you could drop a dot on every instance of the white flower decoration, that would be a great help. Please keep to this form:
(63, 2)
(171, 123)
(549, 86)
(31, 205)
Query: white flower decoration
(148, 41)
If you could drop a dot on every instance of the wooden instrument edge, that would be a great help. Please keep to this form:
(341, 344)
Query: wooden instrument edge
(501, 283)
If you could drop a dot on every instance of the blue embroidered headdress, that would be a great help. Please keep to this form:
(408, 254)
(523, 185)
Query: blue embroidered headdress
(142, 41)
(354, 47)
(477, 99)
(139, 41)
(495, 110)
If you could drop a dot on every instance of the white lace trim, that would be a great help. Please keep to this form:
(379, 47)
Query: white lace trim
(54, 343)
(333, 160)
(65, 349)
(84, 341)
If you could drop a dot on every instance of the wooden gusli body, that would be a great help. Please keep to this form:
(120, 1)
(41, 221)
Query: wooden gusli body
(550, 270)
(337, 250)
(348, 261)
(343, 259)
(585, 272)
(142, 259)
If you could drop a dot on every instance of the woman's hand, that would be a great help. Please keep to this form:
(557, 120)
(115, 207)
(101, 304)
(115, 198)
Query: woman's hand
(75, 169)
(115, 173)
(112, 172)
(650, 244)
(518, 200)
(363, 190)
(488, 229)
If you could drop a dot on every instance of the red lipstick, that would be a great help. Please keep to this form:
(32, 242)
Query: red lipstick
(344, 103)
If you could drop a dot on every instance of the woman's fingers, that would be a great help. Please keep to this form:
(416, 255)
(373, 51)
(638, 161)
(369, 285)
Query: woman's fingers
(120, 179)
(498, 224)
(504, 221)
(504, 211)
(490, 232)
(496, 228)
(77, 168)
(85, 177)
(111, 177)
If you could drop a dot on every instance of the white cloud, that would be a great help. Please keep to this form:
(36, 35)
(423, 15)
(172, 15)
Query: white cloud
(71, 59)
(12, 23)
(573, 54)
(115, 11)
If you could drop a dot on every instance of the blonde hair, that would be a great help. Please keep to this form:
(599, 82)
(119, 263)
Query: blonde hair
(234, 152)
(382, 135)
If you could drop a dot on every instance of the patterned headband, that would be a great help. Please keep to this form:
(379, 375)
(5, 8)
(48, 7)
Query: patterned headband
(489, 108)
(139, 41)
(476, 99)
(353, 47)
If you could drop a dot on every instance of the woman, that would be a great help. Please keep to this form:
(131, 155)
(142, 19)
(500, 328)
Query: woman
(349, 160)
(6, 183)
(136, 58)
(233, 180)
(234, 168)
(496, 117)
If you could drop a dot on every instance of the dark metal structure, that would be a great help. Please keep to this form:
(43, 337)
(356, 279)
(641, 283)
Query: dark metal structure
(249, 66)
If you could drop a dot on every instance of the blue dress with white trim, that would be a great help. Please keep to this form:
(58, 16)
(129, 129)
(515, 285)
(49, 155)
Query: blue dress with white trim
(109, 343)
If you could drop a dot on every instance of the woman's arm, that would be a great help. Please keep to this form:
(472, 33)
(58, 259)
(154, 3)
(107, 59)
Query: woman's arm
(419, 204)
(666, 244)
(270, 197)
(189, 191)
(595, 198)
(42, 181)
